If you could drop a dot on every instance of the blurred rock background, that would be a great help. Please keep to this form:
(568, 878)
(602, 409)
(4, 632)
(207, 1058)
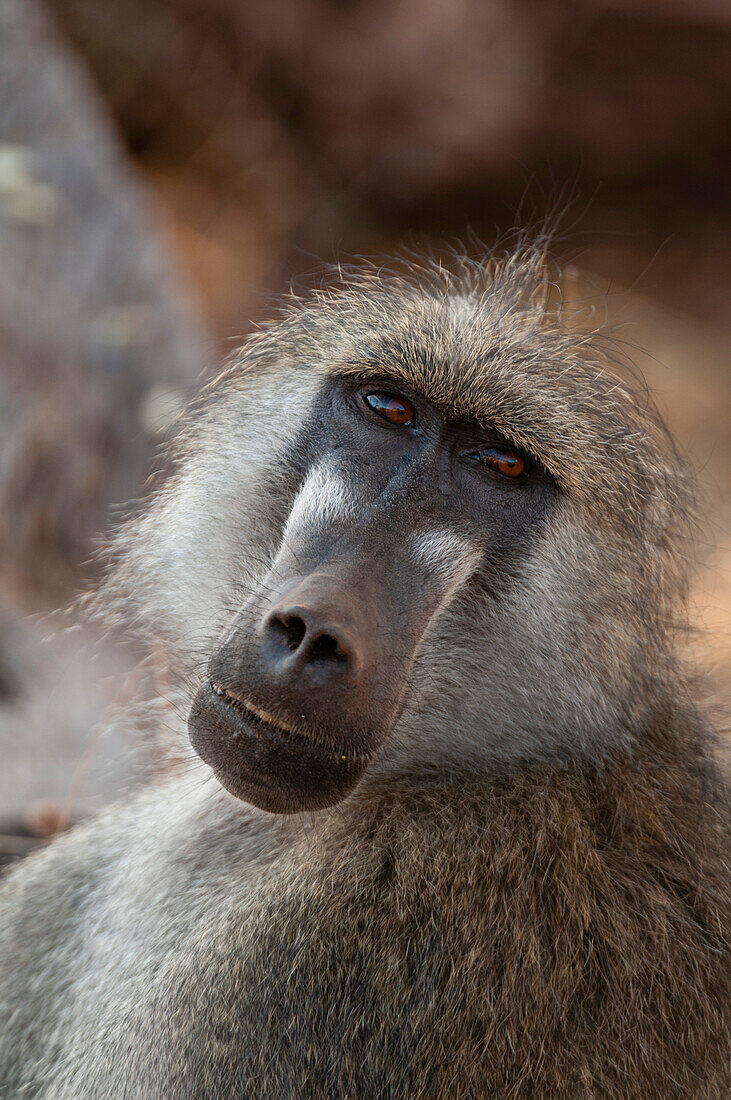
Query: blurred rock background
(165, 165)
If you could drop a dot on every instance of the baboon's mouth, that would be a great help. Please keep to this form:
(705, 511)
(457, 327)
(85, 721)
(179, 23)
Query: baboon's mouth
(262, 721)
(268, 760)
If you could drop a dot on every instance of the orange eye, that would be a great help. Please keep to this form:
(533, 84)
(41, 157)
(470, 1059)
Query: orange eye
(507, 463)
(394, 409)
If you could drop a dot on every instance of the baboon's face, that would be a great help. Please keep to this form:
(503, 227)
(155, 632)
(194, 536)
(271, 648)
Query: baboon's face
(399, 507)
(419, 524)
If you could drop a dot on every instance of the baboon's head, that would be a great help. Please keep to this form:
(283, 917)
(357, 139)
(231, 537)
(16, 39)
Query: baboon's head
(416, 523)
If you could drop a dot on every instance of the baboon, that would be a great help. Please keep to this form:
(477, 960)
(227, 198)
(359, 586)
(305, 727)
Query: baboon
(456, 829)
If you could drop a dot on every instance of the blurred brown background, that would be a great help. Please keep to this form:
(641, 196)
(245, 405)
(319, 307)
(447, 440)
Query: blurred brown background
(165, 165)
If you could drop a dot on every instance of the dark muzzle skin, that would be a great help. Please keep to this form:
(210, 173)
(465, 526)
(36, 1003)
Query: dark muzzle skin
(308, 682)
(391, 520)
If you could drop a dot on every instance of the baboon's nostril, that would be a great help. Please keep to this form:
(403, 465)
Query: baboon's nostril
(290, 630)
(313, 643)
(327, 648)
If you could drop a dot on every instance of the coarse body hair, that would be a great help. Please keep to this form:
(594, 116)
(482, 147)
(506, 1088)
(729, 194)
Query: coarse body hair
(527, 894)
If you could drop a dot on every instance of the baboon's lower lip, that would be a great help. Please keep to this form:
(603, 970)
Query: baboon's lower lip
(270, 724)
(264, 759)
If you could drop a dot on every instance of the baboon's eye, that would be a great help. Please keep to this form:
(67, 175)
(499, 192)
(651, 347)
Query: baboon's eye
(394, 409)
(504, 461)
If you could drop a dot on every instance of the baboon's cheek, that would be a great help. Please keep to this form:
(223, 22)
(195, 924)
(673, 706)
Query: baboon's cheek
(278, 773)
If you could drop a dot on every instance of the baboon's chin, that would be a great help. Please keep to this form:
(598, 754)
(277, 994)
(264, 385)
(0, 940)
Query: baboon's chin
(283, 774)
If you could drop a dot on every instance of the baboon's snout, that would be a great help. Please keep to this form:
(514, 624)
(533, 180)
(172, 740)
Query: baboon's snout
(309, 681)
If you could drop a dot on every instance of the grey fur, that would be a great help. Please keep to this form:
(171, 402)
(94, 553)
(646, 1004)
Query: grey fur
(526, 892)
